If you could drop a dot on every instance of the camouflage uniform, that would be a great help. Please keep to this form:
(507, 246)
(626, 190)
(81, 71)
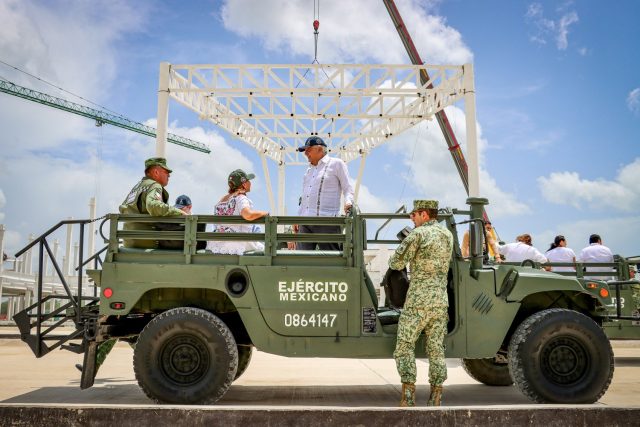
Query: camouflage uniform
(428, 250)
(147, 197)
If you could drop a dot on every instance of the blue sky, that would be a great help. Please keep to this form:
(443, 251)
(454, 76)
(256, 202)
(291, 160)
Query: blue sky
(558, 105)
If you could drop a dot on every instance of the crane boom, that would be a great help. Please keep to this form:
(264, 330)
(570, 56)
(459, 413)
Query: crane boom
(98, 115)
(441, 116)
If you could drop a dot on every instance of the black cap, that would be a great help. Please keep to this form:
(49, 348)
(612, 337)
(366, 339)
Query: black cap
(182, 201)
(311, 141)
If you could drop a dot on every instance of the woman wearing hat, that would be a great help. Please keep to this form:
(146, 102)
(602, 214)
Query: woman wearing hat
(236, 202)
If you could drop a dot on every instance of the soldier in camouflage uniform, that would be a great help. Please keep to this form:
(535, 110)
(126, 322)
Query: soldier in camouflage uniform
(427, 250)
(149, 197)
(146, 197)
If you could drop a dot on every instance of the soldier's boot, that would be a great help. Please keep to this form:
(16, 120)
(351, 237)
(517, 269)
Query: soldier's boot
(435, 398)
(408, 395)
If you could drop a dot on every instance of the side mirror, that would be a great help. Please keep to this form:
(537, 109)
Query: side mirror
(476, 239)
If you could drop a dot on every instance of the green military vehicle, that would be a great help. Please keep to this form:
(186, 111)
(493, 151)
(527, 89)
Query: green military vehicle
(196, 316)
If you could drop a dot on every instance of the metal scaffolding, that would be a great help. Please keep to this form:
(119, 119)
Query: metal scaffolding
(355, 108)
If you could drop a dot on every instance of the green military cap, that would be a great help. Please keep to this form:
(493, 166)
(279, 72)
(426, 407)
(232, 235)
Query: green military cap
(238, 176)
(157, 161)
(423, 205)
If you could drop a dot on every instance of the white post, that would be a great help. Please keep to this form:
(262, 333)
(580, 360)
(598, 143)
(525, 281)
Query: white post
(472, 142)
(281, 177)
(163, 110)
(28, 264)
(363, 159)
(2, 229)
(67, 253)
(10, 303)
(267, 179)
(92, 227)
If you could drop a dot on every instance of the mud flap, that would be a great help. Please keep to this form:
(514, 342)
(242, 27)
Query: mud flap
(89, 365)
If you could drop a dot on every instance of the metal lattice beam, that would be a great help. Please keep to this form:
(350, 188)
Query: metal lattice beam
(99, 116)
(354, 108)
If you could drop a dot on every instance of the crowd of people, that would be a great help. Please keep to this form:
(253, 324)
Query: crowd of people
(522, 249)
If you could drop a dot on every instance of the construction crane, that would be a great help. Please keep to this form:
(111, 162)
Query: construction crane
(101, 117)
(441, 116)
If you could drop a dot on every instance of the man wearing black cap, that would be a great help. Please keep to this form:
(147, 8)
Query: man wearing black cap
(149, 197)
(326, 179)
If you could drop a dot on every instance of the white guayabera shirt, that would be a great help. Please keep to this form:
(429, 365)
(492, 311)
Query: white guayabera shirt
(561, 254)
(596, 252)
(518, 252)
(322, 187)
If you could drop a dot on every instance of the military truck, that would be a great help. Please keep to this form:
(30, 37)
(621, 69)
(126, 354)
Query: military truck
(196, 316)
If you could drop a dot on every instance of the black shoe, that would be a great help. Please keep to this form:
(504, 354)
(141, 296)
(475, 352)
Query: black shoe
(79, 367)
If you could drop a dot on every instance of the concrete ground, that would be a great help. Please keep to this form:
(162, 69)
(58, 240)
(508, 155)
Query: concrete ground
(276, 381)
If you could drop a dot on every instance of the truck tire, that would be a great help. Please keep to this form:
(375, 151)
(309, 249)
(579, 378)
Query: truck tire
(244, 357)
(488, 371)
(560, 356)
(185, 356)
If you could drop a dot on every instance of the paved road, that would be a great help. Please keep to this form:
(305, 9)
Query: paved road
(276, 381)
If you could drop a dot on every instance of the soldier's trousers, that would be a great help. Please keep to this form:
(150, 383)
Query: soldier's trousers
(433, 321)
(105, 348)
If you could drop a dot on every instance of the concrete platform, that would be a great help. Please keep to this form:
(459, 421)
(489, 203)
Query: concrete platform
(285, 391)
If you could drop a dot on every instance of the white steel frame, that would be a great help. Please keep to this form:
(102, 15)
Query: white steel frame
(354, 108)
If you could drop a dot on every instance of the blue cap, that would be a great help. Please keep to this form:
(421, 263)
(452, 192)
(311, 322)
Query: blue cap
(311, 141)
(182, 201)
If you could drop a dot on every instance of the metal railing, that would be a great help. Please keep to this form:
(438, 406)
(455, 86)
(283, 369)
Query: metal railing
(71, 310)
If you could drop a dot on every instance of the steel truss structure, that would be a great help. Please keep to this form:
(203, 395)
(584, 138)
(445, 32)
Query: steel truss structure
(355, 108)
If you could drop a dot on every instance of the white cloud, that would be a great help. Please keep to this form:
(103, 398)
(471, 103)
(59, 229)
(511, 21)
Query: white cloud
(563, 29)
(70, 44)
(546, 28)
(633, 101)
(368, 202)
(431, 170)
(354, 31)
(621, 194)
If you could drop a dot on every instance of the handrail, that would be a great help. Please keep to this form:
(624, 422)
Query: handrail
(49, 231)
(94, 256)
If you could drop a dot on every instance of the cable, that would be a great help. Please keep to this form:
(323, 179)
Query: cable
(57, 87)
(316, 26)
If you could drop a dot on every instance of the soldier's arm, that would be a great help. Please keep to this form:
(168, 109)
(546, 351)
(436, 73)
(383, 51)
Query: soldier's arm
(156, 206)
(404, 253)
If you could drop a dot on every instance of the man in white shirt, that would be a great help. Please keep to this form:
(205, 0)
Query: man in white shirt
(521, 250)
(596, 252)
(326, 179)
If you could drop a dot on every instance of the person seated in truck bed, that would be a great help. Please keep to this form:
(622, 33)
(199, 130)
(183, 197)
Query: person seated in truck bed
(183, 202)
(149, 197)
(522, 249)
(236, 202)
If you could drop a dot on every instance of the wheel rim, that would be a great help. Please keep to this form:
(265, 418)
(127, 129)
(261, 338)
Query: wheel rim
(564, 361)
(185, 359)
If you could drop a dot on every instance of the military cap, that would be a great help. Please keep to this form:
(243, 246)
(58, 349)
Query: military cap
(311, 141)
(238, 176)
(157, 161)
(423, 205)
